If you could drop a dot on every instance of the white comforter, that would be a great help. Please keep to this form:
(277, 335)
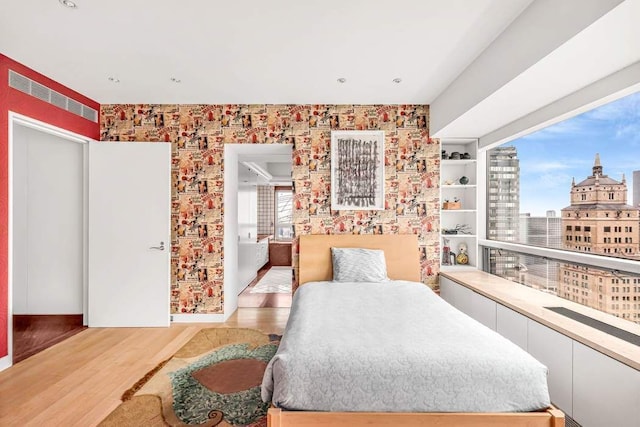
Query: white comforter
(396, 347)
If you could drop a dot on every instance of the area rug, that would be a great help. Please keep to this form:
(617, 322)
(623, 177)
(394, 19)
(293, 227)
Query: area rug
(213, 380)
(276, 281)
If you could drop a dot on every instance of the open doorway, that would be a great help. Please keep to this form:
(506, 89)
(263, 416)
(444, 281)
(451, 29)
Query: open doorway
(267, 182)
(47, 239)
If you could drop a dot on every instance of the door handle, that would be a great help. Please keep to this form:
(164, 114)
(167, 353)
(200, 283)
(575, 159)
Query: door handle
(160, 248)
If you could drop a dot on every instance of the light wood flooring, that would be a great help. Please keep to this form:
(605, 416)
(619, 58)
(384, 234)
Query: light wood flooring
(79, 381)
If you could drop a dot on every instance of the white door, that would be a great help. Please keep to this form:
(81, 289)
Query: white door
(129, 234)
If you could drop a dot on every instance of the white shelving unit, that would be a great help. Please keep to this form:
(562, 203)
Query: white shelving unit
(451, 171)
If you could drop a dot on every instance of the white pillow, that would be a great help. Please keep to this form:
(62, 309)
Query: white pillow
(358, 265)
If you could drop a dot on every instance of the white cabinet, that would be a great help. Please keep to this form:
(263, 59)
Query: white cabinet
(262, 253)
(469, 302)
(458, 201)
(595, 377)
(247, 227)
(512, 326)
(592, 388)
(555, 351)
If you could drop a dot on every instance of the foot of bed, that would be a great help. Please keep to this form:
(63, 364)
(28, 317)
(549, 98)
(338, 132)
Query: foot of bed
(279, 418)
(557, 417)
(274, 416)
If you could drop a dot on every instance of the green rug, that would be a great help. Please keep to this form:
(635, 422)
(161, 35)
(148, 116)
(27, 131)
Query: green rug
(213, 380)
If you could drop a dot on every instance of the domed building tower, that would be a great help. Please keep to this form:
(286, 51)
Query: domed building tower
(600, 221)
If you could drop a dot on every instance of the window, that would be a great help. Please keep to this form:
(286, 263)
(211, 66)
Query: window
(284, 213)
(556, 183)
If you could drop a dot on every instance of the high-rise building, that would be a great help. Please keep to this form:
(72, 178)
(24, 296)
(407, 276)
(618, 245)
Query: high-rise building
(543, 231)
(636, 189)
(600, 221)
(504, 208)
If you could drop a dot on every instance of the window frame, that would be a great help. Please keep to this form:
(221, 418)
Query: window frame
(618, 265)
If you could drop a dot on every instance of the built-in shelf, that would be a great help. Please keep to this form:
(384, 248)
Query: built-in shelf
(451, 170)
(457, 162)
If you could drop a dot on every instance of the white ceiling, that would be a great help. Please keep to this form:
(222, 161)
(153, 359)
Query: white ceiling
(482, 65)
(608, 45)
(274, 51)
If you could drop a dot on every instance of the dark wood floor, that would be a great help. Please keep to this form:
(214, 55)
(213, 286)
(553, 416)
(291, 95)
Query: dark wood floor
(34, 333)
(247, 299)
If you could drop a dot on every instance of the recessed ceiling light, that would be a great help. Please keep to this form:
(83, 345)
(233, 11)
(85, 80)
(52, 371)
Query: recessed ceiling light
(397, 80)
(342, 80)
(68, 3)
(114, 79)
(175, 80)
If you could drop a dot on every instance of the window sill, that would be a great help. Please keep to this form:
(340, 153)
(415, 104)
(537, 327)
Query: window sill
(531, 303)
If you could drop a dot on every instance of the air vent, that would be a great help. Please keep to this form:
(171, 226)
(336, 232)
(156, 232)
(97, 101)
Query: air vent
(19, 82)
(89, 113)
(58, 100)
(40, 91)
(35, 89)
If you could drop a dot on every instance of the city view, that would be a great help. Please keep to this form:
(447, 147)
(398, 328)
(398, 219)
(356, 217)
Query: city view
(572, 186)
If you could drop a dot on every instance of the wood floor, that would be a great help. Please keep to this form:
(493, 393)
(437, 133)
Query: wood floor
(34, 333)
(79, 381)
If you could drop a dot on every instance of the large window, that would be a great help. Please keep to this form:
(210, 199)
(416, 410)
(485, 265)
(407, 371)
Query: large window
(284, 213)
(573, 187)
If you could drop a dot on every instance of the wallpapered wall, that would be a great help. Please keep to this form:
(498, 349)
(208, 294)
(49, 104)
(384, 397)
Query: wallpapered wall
(198, 133)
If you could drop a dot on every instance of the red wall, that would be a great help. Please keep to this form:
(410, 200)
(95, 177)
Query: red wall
(18, 102)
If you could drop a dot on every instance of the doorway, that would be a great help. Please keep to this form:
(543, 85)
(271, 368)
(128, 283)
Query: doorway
(271, 286)
(252, 174)
(111, 271)
(47, 238)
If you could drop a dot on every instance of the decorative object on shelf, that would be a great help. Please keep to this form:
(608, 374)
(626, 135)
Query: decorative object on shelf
(448, 182)
(463, 228)
(448, 257)
(447, 205)
(459, 229)
(357, 170)
(466, 156)
(463, 180)
(462, 257)
(444, 154)
(454, 156)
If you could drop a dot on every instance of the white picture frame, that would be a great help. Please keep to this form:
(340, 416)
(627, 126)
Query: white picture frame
(357, 170)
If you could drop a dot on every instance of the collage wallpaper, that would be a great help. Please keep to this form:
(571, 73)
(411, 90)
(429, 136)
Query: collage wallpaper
(198, 134)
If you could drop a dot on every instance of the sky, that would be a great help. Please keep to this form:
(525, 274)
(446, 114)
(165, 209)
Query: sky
(551, 157)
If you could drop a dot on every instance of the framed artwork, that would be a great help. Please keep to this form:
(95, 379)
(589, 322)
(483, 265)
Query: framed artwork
(357, 170)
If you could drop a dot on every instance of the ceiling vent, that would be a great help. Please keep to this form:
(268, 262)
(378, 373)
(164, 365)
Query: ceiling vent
(35, 89)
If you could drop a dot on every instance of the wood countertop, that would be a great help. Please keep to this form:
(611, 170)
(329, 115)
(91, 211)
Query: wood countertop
(531, 303)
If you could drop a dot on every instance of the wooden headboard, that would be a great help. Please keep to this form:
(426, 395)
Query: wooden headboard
(400, 250)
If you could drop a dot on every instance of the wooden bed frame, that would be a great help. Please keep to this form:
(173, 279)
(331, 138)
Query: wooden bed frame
(401, 253)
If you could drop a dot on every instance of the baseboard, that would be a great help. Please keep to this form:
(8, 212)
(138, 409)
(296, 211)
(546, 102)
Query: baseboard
(197, 318)
(5, 362)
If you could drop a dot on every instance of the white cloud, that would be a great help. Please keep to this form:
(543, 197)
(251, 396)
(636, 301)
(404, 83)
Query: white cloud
(623, 109)
(573, 126)
(555, 165)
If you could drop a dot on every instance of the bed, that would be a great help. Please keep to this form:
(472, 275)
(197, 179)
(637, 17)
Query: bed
(392, 352)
